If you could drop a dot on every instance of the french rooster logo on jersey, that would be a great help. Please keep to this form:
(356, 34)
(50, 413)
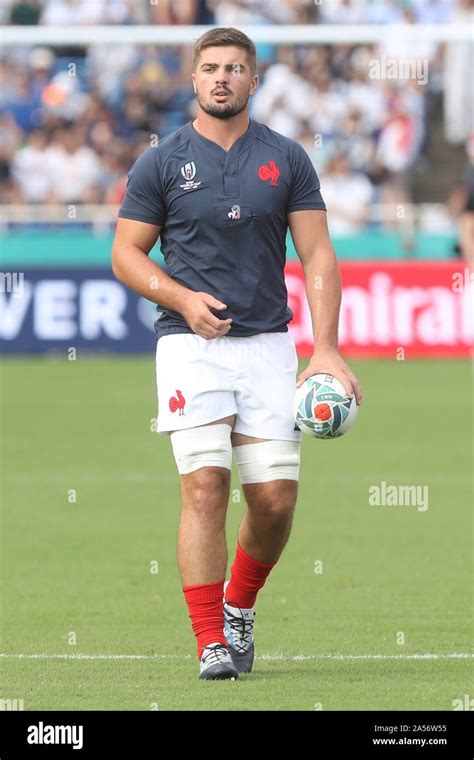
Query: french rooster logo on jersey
(270, 172)
(177, 403)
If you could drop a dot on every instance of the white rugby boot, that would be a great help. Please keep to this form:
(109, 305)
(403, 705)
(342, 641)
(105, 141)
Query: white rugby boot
(238, 629)
(216, 663)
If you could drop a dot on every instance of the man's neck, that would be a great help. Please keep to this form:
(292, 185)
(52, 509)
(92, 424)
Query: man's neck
(224, 132)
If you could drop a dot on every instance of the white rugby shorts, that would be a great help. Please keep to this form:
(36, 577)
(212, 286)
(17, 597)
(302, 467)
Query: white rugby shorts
(200, 381)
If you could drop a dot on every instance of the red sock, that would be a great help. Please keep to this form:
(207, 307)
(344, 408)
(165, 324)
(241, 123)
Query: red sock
(206, 611)
(247, 578)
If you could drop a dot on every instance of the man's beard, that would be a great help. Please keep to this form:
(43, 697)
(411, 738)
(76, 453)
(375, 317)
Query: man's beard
(225, 111)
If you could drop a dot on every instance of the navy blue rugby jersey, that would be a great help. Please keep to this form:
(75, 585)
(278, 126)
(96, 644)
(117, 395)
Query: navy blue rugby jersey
(223, 218)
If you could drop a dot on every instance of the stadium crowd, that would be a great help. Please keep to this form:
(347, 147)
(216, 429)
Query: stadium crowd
(72, 119)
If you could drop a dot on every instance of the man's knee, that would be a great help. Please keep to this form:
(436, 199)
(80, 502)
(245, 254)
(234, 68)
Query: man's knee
(275, 502)
(206, 490)
(204, 459)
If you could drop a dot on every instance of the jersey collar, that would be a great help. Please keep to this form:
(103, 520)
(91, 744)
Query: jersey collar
(243, 141)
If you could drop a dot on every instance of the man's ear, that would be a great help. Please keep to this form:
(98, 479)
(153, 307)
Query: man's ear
(254, 85)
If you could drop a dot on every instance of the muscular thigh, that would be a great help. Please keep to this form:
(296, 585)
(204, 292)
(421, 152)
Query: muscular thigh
(277, 467)
(203, 453)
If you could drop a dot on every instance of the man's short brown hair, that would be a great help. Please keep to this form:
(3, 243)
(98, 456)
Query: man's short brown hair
(225, 36)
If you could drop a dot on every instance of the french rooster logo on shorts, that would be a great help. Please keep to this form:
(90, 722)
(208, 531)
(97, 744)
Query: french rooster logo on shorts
(177, 403)
(270, 172)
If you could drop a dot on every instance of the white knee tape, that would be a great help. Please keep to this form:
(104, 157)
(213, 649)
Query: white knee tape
(203, 446)
(268, 460)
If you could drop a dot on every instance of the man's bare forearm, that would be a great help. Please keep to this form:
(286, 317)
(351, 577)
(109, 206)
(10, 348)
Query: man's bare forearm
(323, 291)
(140, 273)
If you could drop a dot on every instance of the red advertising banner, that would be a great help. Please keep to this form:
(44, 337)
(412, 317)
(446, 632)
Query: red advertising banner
(424, 308)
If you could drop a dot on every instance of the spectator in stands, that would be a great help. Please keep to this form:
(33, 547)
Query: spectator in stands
(328, 103)
(461, 206)
(10, 142)
(29, 168)
(22, 102)
(344, 12)
(8, 189)
(108, 68)
(41, 61)
(116, 164)
(73, 168)
(397, 148)
(433, 11)
(359, 142)
(387, 12)
(70, 12)
(283, 101)
(400, 46)
(63, 97)
(100, 124)
(238, 12)
(25, 12)
(348, 195)
(182, 12)
(363, 93)
(458, 102)
(290, 12)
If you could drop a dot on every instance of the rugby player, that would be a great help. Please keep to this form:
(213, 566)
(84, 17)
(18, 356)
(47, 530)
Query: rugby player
(221, 193)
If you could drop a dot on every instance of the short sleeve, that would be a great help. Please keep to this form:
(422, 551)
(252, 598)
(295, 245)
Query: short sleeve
(144, 199)
(305, 193)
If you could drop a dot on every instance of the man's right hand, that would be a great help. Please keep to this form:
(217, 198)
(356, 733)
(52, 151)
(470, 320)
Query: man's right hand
(131, 265)
(197, 313)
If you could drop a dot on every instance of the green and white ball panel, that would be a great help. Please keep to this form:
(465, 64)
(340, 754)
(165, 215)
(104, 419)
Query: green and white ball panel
(322, 408)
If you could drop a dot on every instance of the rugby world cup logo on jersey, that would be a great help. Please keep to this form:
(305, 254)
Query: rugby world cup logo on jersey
(188, 171)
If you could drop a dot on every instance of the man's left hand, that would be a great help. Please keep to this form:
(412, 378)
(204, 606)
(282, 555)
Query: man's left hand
(329, 361)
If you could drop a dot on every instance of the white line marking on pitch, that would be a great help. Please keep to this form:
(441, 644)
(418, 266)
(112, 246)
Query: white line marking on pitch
(298, 657)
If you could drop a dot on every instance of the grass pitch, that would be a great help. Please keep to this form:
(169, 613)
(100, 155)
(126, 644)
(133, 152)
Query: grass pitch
(368, 608)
